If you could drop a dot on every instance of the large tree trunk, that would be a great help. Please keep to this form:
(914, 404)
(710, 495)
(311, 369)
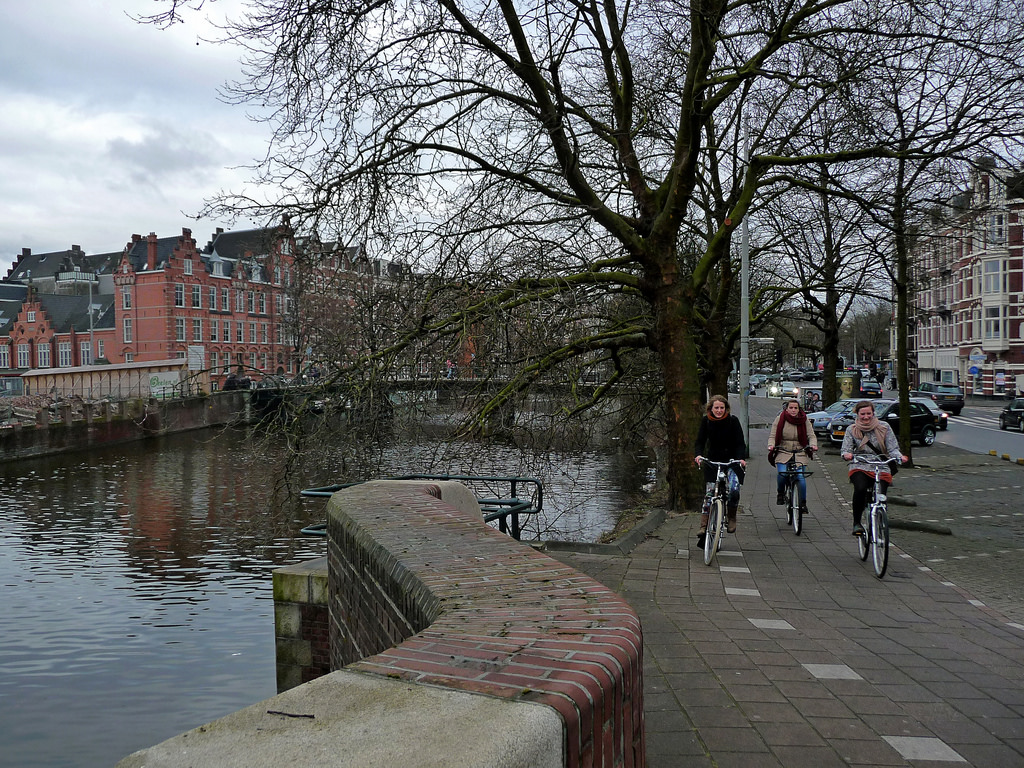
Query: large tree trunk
(683, 399)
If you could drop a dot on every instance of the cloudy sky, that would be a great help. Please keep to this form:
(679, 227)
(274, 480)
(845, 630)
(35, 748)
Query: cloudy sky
(111, 128)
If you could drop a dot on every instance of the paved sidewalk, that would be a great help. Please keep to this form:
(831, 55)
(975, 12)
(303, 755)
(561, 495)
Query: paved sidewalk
(787, 651)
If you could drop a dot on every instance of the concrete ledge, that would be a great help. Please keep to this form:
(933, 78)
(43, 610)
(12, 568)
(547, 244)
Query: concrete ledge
(367, 721)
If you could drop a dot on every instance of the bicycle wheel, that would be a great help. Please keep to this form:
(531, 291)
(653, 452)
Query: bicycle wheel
(714, 530)
(796, 515)
(880, 541)
(864, 540)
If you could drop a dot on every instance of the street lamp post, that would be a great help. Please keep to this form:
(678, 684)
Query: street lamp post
(745, 312)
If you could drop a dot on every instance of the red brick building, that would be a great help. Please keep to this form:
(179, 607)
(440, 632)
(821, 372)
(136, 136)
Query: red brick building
(159, 298)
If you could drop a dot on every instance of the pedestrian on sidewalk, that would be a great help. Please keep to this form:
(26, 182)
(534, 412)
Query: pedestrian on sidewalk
(720, 438)
(867, 436)
(791, 438)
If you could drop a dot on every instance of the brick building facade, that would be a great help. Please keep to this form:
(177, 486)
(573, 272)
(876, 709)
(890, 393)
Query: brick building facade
(157, 299)
(969, 298)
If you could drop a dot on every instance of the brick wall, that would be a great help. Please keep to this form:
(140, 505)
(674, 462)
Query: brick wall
(424, 593)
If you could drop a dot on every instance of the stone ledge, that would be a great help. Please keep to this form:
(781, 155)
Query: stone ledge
(347, 719)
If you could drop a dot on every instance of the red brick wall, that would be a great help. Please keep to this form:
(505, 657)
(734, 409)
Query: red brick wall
(424, 593)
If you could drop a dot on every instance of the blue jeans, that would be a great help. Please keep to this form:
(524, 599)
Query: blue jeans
(801, 481)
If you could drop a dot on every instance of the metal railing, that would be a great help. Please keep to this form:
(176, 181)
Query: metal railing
(507, 511)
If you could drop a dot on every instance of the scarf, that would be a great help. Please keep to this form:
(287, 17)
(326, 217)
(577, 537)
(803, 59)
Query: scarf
(801, 427)
(862, 434)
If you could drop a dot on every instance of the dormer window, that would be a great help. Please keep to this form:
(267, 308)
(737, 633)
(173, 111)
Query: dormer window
(218, 269)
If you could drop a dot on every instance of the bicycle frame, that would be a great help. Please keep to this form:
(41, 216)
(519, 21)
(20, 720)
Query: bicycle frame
(875, 540)
(717, 510)
(795, 511)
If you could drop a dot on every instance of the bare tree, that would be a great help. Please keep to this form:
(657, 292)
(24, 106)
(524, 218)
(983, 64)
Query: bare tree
(548, 154)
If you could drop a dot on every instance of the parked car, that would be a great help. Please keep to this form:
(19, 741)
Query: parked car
(820, 419)
(758, 379)
(1012, 416)
(922, 421)
(941, 417)
(949, 397)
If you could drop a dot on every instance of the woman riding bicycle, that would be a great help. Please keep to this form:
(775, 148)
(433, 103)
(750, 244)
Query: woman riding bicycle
(867, 436)
(791, 438)
(720, 438)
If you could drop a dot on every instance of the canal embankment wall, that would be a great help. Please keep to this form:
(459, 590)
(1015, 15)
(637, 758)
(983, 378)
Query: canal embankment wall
(450, 644)
(68, 429)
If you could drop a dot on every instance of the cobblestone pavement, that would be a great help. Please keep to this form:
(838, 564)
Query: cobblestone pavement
(787, 651)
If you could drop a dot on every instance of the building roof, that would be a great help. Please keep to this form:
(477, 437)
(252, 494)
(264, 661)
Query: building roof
(65, 312)
(41, 266)
(234, 245)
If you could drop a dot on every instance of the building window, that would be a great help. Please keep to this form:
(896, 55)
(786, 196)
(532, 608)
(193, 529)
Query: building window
(277, 275)
(996, 228)
(240, 332)
(993, 323)
(218, 269)
(127, 331)
(239, 301)
(99, 348)
(263, 303)
(252, 333)
(213, 299)
(64, 354)
(126, 298)
(227, 330)
(30, 316)
(188, 266)
(252, 360)
(277, 335)
(5, 356)
(85, 353)
(24, 361)
(993, 276)
(179, 329)
(197, 297)
(263, 361)
(225, 299)
(249, 302)
(43, 355)
(214, 329)
(179, 295)
(129, 357)
(197, 329)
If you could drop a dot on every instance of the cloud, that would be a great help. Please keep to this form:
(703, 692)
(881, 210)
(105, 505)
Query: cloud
(111, 127)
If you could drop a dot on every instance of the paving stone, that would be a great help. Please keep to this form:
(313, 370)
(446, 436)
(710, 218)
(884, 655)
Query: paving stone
(907, 656)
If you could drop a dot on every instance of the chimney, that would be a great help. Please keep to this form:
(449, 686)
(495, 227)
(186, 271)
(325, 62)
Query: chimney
(25, 252)
(151, 251)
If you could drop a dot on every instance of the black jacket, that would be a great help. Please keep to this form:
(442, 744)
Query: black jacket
(720, 441)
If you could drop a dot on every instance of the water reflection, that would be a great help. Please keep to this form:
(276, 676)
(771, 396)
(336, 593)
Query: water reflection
(136, 580)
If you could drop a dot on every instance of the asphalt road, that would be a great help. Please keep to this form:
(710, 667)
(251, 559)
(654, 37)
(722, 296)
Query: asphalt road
(979, 498)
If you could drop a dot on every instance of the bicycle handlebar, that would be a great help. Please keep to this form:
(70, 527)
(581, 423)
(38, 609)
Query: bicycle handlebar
(860, 458)
(728, 463)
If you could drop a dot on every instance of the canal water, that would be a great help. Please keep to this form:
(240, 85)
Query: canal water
(136, 581)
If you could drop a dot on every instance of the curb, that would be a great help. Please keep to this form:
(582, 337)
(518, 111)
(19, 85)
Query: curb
(621, 546)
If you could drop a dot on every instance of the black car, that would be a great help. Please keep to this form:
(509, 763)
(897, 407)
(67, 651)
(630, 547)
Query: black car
(870, 388)
(949, 397)
(1012, 416)
(922, 421)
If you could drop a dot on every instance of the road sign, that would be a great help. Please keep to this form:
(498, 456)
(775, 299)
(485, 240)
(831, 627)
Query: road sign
(974, 370)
